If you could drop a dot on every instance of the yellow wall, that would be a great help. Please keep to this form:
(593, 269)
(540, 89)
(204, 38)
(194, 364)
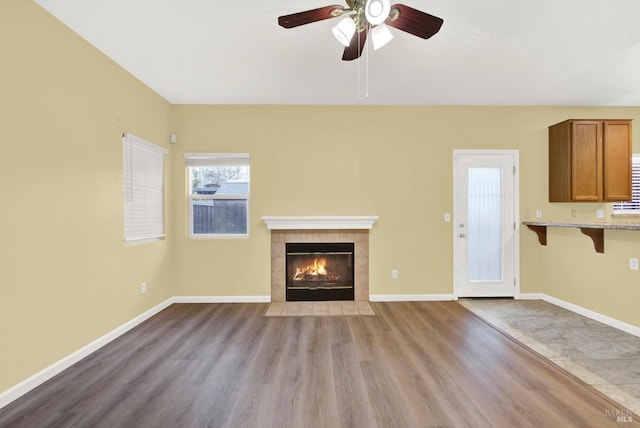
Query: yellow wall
(66, 278)
(394, 162)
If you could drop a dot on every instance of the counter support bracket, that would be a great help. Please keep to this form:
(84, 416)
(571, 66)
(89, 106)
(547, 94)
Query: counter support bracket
(541, 231)
(595, 231)
(597, 235)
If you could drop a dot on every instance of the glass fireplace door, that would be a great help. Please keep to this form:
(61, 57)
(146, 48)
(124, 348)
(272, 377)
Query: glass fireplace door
(320, 271)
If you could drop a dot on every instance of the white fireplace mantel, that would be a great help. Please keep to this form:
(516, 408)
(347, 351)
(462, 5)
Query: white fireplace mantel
(319, 222)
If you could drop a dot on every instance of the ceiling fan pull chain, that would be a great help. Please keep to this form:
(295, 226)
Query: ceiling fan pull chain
(366, 58)
(359, 73)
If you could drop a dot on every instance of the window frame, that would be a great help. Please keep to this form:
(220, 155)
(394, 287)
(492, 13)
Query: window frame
(144, 175)
(195, 160)
(631, 208)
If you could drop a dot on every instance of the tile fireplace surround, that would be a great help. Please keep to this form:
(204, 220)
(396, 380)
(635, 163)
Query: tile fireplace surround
(320, 229)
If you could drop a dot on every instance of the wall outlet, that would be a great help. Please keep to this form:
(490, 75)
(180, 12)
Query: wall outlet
(600, 214)
(447, 217)
(538, 213)
(573, 213)
(633, 263)
(394, 274)
(143, 288)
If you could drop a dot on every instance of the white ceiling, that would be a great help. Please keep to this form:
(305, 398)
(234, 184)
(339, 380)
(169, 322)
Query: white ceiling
(498, 52)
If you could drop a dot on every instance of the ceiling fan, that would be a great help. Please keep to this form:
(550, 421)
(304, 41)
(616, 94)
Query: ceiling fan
(364, 16)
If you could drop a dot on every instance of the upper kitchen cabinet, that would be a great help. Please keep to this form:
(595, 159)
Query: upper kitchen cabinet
(590, 161)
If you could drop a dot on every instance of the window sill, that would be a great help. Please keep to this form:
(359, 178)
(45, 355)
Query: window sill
(221, 236)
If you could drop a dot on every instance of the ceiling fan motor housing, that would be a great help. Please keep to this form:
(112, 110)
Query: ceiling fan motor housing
(377, 11)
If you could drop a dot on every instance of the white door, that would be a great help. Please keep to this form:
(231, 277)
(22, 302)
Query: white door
(485, 223)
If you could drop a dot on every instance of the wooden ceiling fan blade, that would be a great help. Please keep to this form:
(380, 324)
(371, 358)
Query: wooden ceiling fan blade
(354, 50)
(309, 16)
(413, 21)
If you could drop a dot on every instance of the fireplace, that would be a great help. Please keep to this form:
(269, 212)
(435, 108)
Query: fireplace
(319, 271)
(353, 230)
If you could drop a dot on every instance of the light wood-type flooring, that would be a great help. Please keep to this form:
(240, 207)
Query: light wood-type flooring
(418, 364)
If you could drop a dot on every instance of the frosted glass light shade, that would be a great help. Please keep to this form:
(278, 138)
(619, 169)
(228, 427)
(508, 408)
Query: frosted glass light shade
(380, 36)
(344, 31)
(377, 11)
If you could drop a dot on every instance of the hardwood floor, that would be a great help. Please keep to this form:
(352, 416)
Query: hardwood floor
(419, 364)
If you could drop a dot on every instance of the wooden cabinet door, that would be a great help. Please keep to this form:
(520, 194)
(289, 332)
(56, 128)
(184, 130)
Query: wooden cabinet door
(617, 155)
(586, 161)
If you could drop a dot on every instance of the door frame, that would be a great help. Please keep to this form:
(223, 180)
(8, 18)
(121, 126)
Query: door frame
(516, 214)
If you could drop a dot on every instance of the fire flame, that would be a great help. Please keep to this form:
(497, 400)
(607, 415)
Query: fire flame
(319, 267)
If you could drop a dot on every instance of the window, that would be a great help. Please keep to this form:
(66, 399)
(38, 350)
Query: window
(143, 178)
(218, 194)
(631, 208)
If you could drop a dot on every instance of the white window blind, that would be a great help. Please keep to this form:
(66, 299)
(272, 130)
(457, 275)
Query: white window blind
(632, 207)
(143, 178)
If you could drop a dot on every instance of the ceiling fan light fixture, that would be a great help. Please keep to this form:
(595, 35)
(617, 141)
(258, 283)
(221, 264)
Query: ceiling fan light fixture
(380, 36)
(344, 31)
(363, 17)
(377, 11)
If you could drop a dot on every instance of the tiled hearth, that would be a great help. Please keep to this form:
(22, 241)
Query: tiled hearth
(312, 309)
(319, 229)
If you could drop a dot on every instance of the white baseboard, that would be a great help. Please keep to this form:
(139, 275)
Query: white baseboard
(612, 322)
(222, 299)
(530, 296)
(410, 297)
(44, 375)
